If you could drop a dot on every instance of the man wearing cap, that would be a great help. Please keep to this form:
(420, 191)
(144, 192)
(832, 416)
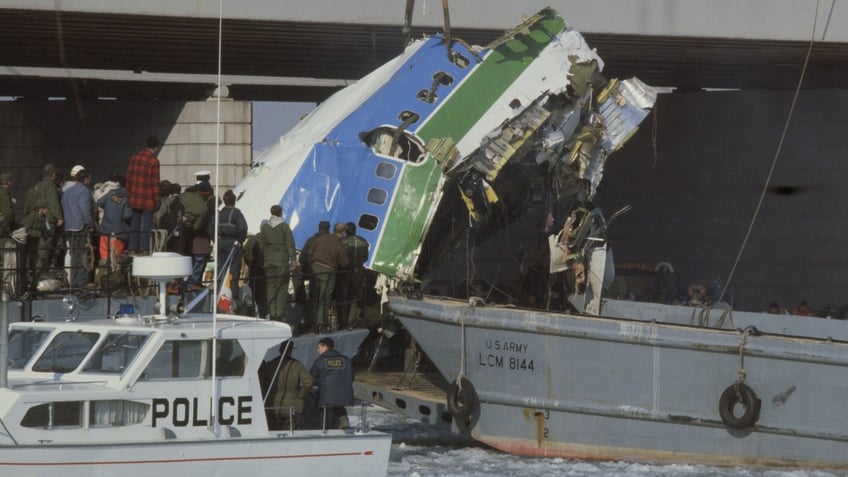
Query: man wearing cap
(142, 184)
(277, 243)
(194, 211)
(79, 223)
(45, 193)
(7, 224)
(203, 176)
(72, 179)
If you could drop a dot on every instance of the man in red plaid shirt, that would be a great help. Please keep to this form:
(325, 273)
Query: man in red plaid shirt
(143, 194)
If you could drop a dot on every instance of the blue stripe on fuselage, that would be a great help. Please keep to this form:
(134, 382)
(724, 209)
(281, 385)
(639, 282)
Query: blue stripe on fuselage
(334, 181)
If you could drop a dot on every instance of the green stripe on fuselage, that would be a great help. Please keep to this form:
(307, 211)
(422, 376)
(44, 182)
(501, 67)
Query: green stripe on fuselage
(417, 187)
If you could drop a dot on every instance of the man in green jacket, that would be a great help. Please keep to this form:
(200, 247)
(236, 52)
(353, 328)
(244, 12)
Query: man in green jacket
(194, 206)
(291, 387)
(46, 192)
(277, 244)
(34, 221)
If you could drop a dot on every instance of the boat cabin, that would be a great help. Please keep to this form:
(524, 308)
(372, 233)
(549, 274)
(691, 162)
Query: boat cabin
(136, 379)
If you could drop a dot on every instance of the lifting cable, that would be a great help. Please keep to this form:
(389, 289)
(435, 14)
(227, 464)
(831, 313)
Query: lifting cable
(776, 155)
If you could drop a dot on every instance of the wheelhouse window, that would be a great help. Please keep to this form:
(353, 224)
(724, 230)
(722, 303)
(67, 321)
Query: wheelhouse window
(54, 414)
(65, 353)
(116, 412)
(106, 413)
(192, 359)
(115, 352)
(23, 343)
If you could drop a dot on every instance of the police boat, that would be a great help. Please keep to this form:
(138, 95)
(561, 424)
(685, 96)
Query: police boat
(136, 395)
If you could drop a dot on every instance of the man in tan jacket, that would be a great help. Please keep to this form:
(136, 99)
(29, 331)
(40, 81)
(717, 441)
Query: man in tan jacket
(326, 256)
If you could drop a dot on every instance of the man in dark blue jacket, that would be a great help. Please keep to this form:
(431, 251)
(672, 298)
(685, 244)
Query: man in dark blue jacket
(333, 374)
(232, 232)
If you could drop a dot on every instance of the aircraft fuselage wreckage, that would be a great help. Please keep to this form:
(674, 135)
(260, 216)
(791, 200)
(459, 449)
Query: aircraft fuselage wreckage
(463, 138)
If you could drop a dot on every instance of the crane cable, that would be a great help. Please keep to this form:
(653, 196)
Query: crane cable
(776, 155)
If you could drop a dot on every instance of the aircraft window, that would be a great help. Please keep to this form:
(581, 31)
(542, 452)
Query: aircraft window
(409, 117)
(115, 353)
(116, 412)
(429, 95)
(368, 222)
(65, 352)
(386, 170)
(23, 343)
(377, 196)
(460, 60)
(54, 414)
(442, 78)
(426, 96)
(192, 360)
(393, 142)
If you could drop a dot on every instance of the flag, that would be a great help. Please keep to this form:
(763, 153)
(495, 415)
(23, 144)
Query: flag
(225, 298)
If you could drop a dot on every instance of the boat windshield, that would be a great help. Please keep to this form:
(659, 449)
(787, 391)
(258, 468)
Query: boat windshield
(65, 353)
(192, 359)
(23, 343)
(115, 352)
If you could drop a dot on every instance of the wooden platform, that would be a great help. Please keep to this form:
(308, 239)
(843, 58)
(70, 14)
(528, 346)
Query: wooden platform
(415, 395)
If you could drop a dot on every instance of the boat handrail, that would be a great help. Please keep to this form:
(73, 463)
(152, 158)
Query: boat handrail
(8, 432)
(20, 385)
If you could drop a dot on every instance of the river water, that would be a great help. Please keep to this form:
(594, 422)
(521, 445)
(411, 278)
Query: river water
(418, 450)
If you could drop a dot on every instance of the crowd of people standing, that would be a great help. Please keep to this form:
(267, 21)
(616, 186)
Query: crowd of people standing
(328, 275)
(74, 233)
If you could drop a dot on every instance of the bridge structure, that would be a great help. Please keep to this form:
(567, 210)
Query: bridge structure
(303, 50)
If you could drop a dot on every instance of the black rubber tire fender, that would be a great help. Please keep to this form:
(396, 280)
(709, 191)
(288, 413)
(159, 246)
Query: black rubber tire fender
(462, 399)
(747, 398)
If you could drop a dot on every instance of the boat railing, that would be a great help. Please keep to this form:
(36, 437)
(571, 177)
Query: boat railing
(364, 426)
(8, 432)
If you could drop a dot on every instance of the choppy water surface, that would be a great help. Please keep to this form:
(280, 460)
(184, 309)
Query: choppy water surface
(421, 451)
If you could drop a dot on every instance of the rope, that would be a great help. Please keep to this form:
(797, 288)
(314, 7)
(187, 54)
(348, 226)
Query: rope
(740, 373)
(774, 161)
(160, 239)
(704, 317)
(728, 313)
(461, 373)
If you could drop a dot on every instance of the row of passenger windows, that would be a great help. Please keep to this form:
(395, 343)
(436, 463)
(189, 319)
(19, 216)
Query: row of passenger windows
(377, 196)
